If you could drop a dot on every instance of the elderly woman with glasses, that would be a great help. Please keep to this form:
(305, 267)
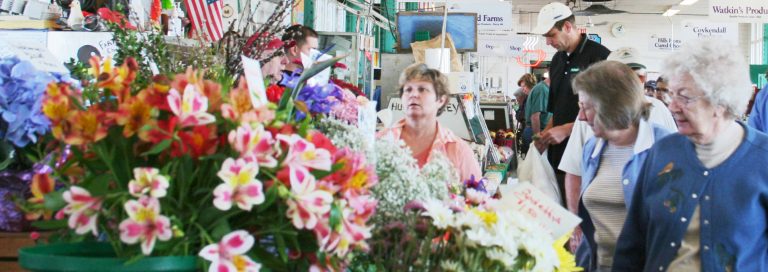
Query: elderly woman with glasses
(701, 202)
(611, 102)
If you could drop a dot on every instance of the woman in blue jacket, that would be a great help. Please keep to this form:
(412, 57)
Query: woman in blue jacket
(701, 201)
(611, 102)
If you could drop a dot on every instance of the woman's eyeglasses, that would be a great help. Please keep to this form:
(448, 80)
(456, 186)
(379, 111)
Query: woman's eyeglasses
(682, 99)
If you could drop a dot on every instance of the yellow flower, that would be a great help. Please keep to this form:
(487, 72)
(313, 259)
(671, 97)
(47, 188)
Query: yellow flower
(489, 218)
(567, 260)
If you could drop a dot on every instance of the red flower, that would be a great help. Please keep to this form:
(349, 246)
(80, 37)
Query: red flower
(115, 17)
(200, 141)
(346, 85)
(275, 93)
(340, 65)
(320, 141)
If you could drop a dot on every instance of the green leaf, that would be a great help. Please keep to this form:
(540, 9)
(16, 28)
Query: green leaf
(335, 219)
(221, 229)
(281, 248)
(158, 148)
(267, 259)
(320, 174)
(50, 224)
(54, 201)
(5, 163)
(269, 198)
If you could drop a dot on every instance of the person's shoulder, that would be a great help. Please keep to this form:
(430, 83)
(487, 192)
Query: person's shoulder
(599, 49)
(758, 139)
(671, 140)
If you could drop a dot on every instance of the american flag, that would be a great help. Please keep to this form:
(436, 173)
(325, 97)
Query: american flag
(206, 18)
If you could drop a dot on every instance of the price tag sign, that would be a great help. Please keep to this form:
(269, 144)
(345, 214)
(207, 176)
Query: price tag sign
(525, 198)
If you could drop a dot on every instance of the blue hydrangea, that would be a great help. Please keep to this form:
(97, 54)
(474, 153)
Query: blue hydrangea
(22, 88)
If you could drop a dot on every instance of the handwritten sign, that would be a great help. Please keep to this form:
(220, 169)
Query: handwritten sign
(255, 80)
(525, 198)
(35, 53)
(80, 45)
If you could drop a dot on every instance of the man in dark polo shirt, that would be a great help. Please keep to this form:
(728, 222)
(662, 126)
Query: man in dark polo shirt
(574, 54)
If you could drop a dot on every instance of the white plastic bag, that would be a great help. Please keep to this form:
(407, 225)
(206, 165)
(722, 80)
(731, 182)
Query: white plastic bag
(535, 169)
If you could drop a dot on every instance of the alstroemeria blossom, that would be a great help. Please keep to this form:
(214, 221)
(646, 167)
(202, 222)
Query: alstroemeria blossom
(349, 235)
(306, 203)
(229, 254)
(240, 185)
(148, 180)
(254, 143)
(145, 224)
(303, 154)
(83, 210)
(190, 108)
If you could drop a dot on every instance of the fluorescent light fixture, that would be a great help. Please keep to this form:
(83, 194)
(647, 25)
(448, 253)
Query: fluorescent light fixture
(688, 2)
(671, 11)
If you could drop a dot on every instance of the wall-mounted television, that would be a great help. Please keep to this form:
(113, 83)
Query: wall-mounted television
(461, 25)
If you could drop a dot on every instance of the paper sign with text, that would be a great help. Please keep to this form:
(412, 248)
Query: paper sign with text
(525, 198)
(37, 54)
(255, 80)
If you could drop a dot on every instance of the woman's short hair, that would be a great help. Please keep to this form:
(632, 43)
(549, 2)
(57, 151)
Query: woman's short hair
(616, 93)
(529, 80)
(420, 72)
(716, 69)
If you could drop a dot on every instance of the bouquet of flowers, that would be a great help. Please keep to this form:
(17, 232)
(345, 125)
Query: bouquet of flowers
(469, 232)
(185, 166)
(22, 129)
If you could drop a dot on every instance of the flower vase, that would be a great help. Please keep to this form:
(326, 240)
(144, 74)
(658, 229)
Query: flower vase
(13, 185)
(93, 256)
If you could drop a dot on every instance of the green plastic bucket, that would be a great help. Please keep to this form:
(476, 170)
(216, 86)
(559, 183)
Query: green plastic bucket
(95, 257)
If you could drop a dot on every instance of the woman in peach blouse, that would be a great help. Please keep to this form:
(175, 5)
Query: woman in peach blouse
(424, 94)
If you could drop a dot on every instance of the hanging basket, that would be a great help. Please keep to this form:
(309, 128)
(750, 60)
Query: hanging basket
(96, 257)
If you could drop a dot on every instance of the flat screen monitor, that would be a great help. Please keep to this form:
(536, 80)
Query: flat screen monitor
(461, 25)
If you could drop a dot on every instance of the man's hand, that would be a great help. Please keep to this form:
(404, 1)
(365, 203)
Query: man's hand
(575, 240)
(540, 146)
(556, 135)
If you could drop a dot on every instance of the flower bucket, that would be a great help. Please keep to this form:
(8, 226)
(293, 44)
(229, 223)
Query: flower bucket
(96, 257)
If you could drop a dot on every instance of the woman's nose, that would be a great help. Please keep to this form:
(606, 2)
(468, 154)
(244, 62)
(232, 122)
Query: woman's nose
(582, 116)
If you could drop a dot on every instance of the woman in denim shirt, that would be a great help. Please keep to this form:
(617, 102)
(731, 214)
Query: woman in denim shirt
(611, 102)
(701, 200)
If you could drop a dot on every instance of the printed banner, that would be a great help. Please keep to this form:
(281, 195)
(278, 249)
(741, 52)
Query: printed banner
(741, 11)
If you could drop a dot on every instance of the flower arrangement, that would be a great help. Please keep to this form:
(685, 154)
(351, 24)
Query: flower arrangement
(23, 127)
(184, 166)
(469, 232)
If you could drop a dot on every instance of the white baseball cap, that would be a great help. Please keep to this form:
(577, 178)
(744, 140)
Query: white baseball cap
(628, 56)
(549, 15)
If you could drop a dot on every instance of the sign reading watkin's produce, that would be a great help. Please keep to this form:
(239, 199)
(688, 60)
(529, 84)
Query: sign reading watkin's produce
(742, 11)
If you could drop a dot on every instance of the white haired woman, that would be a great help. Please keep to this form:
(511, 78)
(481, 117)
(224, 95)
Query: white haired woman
(611, 101)
(701, 202)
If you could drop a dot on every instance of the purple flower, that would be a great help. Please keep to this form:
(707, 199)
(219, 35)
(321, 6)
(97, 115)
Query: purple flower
(478, 185)
(318, 99)
(21, 92)
(290, 79)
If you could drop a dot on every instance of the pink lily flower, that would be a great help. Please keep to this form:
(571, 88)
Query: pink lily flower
(191, 108)
(83, 210)
(145, 224)
(306, 203)
(228, 255)
(349, 235)
(240, 185)
(148, 180)
(303, 154)
(254, 143)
